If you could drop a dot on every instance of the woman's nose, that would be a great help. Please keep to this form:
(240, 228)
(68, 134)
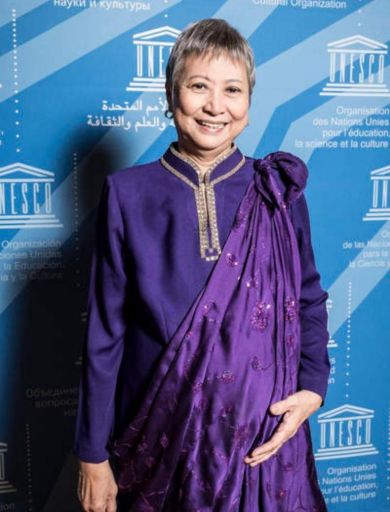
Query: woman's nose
(214, 104)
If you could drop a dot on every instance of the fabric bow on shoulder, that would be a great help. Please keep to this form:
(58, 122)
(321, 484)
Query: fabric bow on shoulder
(281, 178)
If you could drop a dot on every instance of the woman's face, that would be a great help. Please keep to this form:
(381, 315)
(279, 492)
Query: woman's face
(212, 103)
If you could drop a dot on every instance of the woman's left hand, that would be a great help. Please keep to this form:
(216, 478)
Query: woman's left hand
(295, 409)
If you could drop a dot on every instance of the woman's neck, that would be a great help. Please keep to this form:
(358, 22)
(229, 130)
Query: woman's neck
(203, 159)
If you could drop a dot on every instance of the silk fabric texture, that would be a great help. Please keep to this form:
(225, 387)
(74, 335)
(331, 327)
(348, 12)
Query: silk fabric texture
(235, 353)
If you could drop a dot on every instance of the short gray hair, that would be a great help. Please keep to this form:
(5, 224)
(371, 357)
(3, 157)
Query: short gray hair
(213, 36)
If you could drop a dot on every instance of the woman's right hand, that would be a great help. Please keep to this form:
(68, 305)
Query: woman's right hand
(97, 488)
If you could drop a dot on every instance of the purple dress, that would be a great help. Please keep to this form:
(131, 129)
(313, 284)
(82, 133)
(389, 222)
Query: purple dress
(159, 231)
(236, 351)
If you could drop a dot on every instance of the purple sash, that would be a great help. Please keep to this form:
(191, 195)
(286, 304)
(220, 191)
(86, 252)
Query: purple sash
(235, 353)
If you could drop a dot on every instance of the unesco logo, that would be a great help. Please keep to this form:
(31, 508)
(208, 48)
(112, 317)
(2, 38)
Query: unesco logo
(345, 432)
(356, 68)
(26, 197)
(153, 48)
(380, 210)
(5, 486)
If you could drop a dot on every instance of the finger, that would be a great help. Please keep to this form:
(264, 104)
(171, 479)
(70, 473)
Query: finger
(264, 453)
(285, 422)
(111, 505)
(83, 489)
(289, 423)
(283, 405)
(286, 429)
(263, 458)
(111, 499)
(276, 440)
(279, 407)
(79, 488)
(91, 502)
(95, 506)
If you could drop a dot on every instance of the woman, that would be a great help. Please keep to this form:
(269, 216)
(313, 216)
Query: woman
(205, 349)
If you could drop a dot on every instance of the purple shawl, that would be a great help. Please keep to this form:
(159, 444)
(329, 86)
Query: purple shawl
(235, 353)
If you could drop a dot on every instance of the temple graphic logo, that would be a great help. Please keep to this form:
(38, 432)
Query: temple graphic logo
(26, 197)
(345, 432)
(5, 486)
(153, 48)
(380, 209)
(356, 68)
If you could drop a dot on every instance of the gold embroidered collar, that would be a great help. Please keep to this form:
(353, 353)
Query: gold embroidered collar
(202, 184)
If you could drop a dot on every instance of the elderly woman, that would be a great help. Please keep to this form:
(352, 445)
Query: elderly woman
(205, 348)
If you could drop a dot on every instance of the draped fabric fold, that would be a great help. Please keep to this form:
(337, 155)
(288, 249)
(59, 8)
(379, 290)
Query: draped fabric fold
(234, 354)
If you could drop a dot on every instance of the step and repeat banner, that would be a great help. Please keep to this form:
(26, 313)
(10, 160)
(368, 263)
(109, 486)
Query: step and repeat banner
(81, 96)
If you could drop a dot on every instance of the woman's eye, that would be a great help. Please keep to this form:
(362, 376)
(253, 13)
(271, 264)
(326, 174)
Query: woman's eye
(233, 90)
(198, 86)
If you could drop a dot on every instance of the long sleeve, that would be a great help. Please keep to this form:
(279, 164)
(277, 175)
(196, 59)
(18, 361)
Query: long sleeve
(314, 366)
(103, 343)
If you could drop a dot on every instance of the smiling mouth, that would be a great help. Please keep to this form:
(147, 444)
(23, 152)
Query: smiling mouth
(211, 126)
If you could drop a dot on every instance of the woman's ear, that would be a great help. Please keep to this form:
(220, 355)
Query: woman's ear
(169, 112)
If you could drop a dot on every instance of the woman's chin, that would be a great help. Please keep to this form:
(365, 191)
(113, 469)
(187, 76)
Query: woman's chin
(209, 143)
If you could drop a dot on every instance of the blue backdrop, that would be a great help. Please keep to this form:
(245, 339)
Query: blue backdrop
(81, 95)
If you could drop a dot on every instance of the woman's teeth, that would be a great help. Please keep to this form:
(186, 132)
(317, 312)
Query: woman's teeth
(212, 126)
